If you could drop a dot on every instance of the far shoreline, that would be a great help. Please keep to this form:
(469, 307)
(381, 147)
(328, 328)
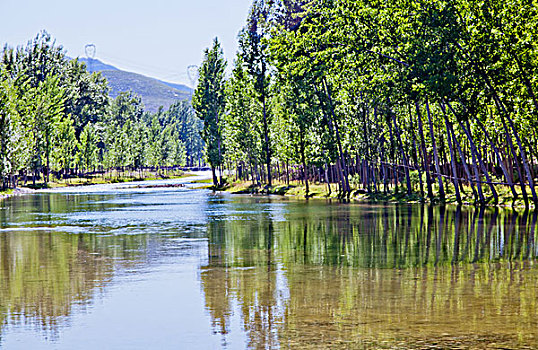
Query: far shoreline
(202, 180)
(81, 182)
(319, 192)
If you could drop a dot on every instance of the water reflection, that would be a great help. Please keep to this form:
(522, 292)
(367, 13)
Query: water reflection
(263, 273)
(345, 276)
(369, 236)
(43, 274)
(58, 252)
(260, 292)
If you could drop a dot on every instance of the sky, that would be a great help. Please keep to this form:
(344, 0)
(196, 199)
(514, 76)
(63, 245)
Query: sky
(157, 38)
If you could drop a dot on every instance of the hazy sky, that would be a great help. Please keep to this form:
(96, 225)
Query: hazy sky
(158, 38)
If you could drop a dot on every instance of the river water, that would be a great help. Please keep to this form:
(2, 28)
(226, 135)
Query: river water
(119, 267)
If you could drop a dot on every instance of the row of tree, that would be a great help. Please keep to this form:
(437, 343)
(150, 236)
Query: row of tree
(428, 96)
(57, 118)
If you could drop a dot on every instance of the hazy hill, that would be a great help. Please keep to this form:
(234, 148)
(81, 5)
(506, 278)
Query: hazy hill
(94, 65)
(154, 92)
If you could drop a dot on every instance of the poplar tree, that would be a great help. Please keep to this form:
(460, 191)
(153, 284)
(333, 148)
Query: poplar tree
(254, 52)
(208, 102)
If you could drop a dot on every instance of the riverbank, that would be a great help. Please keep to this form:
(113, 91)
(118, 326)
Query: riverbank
(295, 190)
(15, 192)
(107, 178)
(111, 177)
(394, 195)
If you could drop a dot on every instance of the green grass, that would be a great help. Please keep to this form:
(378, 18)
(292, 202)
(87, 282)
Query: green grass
(6, 193)
(317, 190)
(282, 189)
(205, 181)
(109, 177)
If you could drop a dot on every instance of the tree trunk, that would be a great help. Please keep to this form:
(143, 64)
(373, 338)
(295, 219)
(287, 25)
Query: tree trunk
(504, 114)
(424, 153)
(415, 153)
(476, 154)
(435, 155)
(464, 162)
(267, 144)
(327, 178)
(345, 180)
(499, 159)
(452, 157)
(287, 173)
(215, 181)
(475, 164)
(305, 169)
(404, 156)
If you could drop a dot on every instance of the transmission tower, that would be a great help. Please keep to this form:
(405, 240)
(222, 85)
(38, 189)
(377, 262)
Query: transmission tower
(90, 50)
(192, 72)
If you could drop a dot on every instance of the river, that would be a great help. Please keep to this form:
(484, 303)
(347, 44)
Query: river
(137, 267)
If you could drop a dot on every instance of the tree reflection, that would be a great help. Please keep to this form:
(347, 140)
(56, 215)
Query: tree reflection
(331, 276)
(229, 278)
(45, 270)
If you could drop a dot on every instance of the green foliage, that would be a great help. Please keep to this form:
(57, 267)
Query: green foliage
(395, 92)
(55, 117)
(186, 128)
(88, 151)
(7, 114)
(87, 95)
(242, 130)
(43, 108)
(208, 102)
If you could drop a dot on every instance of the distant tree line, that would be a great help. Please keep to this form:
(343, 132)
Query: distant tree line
(56, 118)
(429, 97)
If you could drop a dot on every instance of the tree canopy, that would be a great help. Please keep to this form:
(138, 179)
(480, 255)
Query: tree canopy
(432, 97)
(57, 118)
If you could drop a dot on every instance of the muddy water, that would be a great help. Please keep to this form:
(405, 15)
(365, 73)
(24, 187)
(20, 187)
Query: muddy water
(122, 267)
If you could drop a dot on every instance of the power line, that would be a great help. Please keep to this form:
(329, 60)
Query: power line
(143, 66)
(190, 73)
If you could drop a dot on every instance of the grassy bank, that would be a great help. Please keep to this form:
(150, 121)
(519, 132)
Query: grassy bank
(106, 178)
(100, 179)
(394, 194)
(14, 192)
(6, 193)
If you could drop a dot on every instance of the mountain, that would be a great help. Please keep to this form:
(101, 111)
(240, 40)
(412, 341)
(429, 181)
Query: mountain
(94, 65)
(154, 92)
(179, 87)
